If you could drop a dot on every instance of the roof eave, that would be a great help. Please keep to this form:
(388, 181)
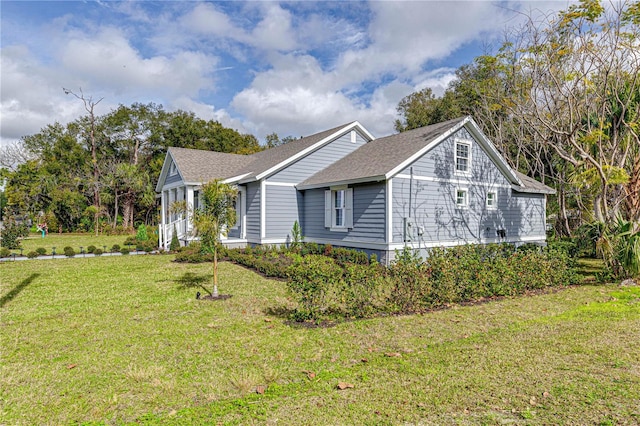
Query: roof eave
(367, 179)
(547, 191)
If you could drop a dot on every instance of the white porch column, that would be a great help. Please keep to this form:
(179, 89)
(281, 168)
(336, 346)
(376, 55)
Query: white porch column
(190, 205)
(163, 207)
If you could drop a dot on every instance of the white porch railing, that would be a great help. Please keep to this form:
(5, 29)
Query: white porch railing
(165, 232)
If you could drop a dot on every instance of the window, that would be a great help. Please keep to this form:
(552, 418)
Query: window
(462, 198)
(196, 200)
(173, 170)
(463, 157)
(492, 200)
(338, 210)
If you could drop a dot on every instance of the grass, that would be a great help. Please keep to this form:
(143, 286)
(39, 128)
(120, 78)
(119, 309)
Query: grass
(120, 340)
(60, 241)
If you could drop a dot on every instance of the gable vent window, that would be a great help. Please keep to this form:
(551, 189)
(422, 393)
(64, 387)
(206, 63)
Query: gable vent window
(173, 170)
(463, 157)
(338, 209)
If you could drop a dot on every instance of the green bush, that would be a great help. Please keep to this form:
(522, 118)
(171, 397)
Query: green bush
(567, 246)
(316, 282)
(97, 252)
(5, 252)
(32, 254)
(91, 249)
(141, 234)
(124, 251)
(41, 251)
(175, 243)
(146, 246)
(327, 288)
(130, 241)
(69, 251)
(115, 247)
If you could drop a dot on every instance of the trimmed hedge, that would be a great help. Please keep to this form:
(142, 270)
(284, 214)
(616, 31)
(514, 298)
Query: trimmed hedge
(329, 289)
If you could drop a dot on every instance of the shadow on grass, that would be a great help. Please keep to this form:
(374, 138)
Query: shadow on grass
(191, 280)
(17, 289)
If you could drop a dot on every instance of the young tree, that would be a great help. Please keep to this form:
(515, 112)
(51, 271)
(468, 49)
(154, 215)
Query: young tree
(214, 218)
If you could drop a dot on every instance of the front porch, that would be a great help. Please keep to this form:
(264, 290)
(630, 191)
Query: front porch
(181, 221)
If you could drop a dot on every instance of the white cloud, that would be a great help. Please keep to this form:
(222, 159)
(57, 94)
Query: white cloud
(108, 60)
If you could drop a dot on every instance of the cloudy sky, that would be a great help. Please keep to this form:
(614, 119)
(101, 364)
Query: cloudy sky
(293, 68)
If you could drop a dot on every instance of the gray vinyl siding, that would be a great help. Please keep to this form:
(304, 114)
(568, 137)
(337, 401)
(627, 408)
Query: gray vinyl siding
(318, 160)
(173, 179)
(433, 208)
(253, 211)
(527, 214)
(282, 208)
(439, 163)
(368, 215)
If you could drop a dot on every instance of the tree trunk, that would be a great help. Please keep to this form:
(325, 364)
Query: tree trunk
(215, 272)
(127, 210)
(632, 193)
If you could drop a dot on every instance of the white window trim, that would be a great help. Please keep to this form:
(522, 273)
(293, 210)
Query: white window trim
(493, 206)
(466, 198)
(469, 144)
(329, 209)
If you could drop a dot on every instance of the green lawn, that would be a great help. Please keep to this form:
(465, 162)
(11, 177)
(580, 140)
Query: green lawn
(118, 340)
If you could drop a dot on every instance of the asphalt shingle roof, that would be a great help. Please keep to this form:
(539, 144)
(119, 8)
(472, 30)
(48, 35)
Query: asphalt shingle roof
(197, 165)
(265, 160)
(532, 185)
(380, 156)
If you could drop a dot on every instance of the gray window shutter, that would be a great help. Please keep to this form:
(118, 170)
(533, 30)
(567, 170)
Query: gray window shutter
(327, 209)
(348, 216)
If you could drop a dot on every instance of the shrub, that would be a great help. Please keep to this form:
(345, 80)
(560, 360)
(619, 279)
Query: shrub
(130, 241)
(315, 282)
(41, 251)
(32, 254)
(175, 243)
(124, 251)
(115, 247)
(567, 246)
(69, 251)
(141, 234)
(91, 249)
(193, 256)
(5, 252)
(97, 252)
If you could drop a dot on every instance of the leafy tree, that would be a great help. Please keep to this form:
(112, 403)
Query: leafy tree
(214, 218)
(424, 108)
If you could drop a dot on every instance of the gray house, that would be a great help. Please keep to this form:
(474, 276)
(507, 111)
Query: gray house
(440, 185)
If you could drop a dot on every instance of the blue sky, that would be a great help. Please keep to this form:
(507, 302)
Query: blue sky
(294, 68)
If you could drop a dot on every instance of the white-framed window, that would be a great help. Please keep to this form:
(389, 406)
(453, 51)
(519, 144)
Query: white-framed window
(492, 200)
(173, 170)
(237, 206)
(462, 157)
(196, 199)
(338, 209)
(462, 198)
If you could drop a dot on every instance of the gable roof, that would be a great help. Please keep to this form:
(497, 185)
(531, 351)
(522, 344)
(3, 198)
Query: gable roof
(383, 158)
(379, 157)
(196, 166)
(269, 161)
